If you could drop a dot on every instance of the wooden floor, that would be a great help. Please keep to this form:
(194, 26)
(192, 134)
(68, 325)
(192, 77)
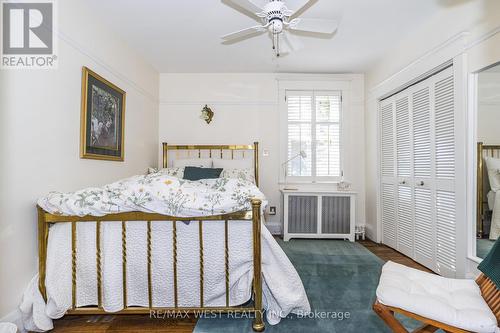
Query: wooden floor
(136, 323)
(122, 323)
(386, 253)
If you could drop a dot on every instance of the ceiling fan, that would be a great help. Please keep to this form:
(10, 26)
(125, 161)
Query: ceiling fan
(278, 18)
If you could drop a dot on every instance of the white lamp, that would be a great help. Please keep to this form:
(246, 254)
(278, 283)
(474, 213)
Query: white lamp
(302, 154)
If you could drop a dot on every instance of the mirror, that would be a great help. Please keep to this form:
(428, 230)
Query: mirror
(488, 159)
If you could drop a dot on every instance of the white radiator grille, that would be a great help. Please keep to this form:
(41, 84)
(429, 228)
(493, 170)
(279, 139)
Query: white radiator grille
(335, 215)
(302, 214)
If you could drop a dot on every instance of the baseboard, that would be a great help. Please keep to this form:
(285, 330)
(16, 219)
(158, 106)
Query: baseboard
(16, 318)
(274, 228)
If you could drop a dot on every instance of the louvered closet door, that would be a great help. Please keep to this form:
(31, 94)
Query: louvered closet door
(404, 172)
(418, 162)
(388, 188)
(444, 118)
(424, 223)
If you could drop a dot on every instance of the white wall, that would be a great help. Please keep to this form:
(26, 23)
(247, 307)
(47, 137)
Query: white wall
(470, 28)
(40, 131)
(488, 112)
(246, 110)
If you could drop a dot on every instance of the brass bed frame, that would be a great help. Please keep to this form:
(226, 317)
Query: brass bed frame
(482, 179)
(45, 219)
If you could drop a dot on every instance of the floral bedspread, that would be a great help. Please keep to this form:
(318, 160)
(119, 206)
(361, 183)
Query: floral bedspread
(157, 193)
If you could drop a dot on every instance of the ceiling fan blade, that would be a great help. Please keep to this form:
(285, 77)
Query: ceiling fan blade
(244, 33)
(321, 26)
(298, 6)
(291, 42)
(247, 5)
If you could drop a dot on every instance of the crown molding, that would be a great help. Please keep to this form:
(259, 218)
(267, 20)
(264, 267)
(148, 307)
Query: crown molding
(110, 69)
(454, 46)
(217, 103)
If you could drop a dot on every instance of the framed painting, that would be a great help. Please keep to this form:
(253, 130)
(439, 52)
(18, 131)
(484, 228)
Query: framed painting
(103, 118)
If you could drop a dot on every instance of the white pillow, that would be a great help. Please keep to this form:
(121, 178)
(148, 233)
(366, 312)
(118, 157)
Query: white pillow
(242, 163)
(243, 174)
(193, 162)
(493, 166)
(174, 172)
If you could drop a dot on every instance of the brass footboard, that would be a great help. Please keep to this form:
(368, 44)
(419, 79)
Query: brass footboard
(45, 219)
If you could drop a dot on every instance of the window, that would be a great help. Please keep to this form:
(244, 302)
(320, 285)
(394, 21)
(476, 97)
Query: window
(314, 126)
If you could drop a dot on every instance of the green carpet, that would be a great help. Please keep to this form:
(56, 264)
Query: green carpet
(338, 276)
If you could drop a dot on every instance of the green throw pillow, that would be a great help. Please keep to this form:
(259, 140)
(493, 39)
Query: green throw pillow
(195, 173)
(490, 266)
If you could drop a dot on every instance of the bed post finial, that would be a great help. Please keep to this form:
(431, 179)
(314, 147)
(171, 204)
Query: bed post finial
(256, 162)
(258, 323)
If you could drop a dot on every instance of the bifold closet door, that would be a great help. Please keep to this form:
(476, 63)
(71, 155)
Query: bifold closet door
(445, 161)
(388, 197)
(405, 174)
(423, 192)
(417, 152)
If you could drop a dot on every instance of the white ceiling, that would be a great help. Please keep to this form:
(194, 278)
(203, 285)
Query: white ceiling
(184, 35)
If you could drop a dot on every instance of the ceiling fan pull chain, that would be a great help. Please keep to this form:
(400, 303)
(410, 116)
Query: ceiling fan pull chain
(277, 45)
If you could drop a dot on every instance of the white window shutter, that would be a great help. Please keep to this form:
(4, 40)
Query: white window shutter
(299, 137)
(314, 126)
(328, 130)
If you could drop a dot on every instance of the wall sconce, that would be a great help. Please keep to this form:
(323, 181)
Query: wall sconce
(207, 114)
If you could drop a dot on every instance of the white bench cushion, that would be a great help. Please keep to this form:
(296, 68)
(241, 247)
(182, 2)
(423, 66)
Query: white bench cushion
(451, 301)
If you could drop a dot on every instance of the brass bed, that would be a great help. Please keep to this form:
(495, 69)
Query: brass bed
(255, 308)
(483, 183)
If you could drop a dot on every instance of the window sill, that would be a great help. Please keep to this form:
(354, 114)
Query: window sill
(323, 186)
(310, 182)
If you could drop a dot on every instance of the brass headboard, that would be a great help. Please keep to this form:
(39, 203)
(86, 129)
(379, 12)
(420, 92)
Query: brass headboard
(482, 180)
(217, 150)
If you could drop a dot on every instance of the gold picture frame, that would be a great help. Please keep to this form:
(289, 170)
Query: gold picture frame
(102, 127)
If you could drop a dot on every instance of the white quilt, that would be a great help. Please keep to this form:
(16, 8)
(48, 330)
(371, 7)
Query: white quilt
(283, 291)
(157, 193)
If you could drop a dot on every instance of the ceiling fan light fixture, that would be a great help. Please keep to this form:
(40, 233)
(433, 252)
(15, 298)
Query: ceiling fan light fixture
(276, 26)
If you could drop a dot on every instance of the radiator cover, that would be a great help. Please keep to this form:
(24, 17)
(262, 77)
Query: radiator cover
(318, 214)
